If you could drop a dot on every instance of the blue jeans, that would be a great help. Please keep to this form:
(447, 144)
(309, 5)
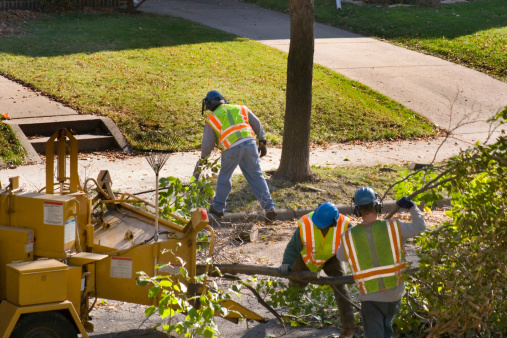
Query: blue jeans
(246, 156)
(378, 318)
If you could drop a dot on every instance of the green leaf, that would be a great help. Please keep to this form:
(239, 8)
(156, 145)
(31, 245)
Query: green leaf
(142, 282)
(192, 313)
(209, 333)
(167, 312)
(154, 291)
(166, 283)
(149, 310)
(208, 314)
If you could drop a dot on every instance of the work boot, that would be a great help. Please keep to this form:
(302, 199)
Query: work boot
(270, 216)
(347, 332)
(215, 212)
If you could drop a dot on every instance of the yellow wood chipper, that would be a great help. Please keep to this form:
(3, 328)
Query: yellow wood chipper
(67, 244)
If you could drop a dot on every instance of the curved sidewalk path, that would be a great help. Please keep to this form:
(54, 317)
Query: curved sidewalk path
(425, 84)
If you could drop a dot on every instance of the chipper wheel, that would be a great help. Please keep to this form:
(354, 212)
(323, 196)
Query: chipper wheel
(44, 325)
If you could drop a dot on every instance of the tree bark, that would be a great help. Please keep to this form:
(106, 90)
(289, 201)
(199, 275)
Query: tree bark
(295, 159)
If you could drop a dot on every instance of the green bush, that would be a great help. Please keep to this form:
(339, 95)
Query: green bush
(460, 288)
(197, 311)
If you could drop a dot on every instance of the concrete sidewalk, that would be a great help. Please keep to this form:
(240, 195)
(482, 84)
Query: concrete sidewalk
(428, 85)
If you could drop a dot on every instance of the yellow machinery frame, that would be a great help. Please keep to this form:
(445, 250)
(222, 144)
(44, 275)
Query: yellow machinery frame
(98, 244)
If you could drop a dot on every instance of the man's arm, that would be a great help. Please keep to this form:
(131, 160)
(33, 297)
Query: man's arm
(293, 249)
(209, 140)
(207, 145)
(340, 253)
(256, 126)
(418, 225)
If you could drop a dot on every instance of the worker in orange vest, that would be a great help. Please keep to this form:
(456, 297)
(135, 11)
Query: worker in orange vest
(233, 129)
(313, 247)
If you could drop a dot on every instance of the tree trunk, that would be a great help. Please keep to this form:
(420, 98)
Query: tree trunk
(295, 160)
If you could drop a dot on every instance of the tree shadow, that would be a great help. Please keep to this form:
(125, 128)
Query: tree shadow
(133, 333)
(73, 33)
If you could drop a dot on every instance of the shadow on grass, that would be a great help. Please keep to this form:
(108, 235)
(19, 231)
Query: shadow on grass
(71, 33)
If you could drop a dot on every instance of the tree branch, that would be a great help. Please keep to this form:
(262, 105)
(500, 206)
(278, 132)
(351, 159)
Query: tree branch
(430, 185)
(300, 276)
(259, 298)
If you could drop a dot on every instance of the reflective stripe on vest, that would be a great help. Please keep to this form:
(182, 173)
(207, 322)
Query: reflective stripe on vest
(312, 239)
(230, 123)
(375, 254)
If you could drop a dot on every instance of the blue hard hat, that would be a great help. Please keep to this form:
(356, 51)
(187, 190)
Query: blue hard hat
(325, 215)
(212, 100)
(364, 196)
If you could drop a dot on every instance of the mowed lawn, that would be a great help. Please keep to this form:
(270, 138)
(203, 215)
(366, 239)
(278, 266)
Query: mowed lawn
(150, 73)
(471, 33)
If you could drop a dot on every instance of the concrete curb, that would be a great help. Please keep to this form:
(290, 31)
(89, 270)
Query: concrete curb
(287, 215)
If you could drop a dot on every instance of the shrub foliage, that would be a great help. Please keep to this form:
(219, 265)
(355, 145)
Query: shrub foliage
(460, 288)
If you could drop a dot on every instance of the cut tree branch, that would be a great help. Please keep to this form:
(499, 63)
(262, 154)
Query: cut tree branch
(430, 185)
(300, 276)
(259, 298)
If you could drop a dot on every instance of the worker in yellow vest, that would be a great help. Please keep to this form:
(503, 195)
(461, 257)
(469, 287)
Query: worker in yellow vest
(313, 247)
(374, 250)
(233, 129)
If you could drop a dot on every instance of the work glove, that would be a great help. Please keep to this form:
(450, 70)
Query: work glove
(405, 203)
(284, 269)
(262, 148)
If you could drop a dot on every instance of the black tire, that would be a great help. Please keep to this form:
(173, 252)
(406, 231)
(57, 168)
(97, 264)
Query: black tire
(44, 325)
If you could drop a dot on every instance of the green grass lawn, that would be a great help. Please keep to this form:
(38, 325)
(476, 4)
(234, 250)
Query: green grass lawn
(10, 147)
(150, 74)
(470, 33)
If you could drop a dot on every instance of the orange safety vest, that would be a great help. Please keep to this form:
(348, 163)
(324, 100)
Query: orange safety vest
(317, 249)
(230, 123)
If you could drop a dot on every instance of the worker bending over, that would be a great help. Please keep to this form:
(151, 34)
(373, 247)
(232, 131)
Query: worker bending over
(233, 129)
(375, 252)
(313, 247)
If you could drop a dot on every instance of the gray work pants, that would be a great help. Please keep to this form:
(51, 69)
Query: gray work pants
(378, 318)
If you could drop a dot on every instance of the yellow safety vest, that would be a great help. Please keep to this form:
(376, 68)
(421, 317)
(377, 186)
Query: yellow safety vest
(375, 254)
(230, 123)
(317, 249)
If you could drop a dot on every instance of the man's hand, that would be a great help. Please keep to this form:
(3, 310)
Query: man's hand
(405, 203)
(262, 148)
(284, 269)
